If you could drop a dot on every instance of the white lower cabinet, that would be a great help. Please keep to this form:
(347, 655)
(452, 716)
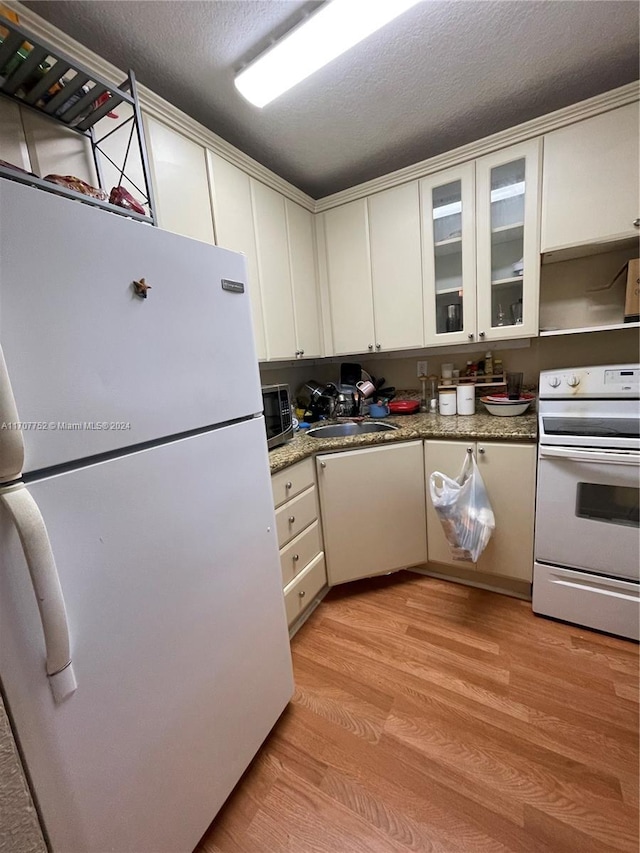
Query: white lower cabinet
(300, 593)
(299, 537)
(373, 510)
(509, 474)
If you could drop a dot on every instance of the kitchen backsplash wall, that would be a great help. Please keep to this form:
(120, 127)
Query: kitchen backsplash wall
(531, 356)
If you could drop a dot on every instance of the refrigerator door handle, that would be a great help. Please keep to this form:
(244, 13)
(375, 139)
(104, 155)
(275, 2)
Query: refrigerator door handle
(36, 546)
(11, 442)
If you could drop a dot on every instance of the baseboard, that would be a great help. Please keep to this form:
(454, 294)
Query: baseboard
(470, 577)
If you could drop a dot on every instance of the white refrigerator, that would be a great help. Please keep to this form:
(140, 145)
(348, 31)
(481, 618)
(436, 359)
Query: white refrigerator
(144, 653)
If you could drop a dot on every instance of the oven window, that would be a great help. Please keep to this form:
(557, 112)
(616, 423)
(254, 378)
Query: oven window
(615, 504)
(596, 427)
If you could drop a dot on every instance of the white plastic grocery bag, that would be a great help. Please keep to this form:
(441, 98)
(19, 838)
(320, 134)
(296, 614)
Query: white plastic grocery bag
(464, 510)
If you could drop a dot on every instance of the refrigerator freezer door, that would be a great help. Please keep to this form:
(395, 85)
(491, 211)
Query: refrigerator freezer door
(95, 367)
(168, 562)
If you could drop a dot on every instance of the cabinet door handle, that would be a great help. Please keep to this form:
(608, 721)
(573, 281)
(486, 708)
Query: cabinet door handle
(301, 352)
(323, 464)
(378, 346)
(288, 485)
(292, 518)
(481, 450)
(469, 449)
(296, 557)
(470, 337)
(481, 334)
(370, 347)
(302, 593)
(636, 222)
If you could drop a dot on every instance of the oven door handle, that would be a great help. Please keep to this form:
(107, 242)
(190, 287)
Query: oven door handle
(632, 458)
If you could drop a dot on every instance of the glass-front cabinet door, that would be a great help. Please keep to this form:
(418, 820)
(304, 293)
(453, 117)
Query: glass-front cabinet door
(508, 241)
(449, 263)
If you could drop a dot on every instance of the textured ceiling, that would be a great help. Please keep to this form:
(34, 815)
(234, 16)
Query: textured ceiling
(445, 73)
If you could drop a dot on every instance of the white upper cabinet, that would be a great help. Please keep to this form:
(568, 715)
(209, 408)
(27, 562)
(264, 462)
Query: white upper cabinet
(179, 175)
(374, 272)
(508, 241)
(449, 255)
(349, 277)
(277, 237)
(590, 184)
(272, 245)
(396, 267)
(233, 216)
(288, 279)
(304, 280)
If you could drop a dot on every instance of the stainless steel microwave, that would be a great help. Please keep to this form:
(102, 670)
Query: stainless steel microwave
(276, 403)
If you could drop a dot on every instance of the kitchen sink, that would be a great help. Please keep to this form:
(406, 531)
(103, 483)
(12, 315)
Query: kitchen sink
(340, 430)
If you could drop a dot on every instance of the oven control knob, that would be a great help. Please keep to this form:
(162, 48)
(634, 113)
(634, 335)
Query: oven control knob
(554, 381)
(573, 381)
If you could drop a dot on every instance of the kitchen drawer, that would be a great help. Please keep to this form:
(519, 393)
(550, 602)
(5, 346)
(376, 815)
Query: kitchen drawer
(290, 482)
(295, 515)
(299, 552)
(299, 594)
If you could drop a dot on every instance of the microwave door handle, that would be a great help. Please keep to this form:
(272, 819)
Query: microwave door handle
(36, 546)
(594, 456)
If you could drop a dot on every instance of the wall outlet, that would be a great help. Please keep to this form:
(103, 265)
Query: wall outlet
(422, 368)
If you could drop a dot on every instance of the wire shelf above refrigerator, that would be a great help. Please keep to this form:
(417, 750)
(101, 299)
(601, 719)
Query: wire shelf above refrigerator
(39, 77)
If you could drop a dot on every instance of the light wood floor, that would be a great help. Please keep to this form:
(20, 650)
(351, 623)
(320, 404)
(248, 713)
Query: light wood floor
(433, 717)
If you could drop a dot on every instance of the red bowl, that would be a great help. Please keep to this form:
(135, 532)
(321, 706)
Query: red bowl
(404, 407)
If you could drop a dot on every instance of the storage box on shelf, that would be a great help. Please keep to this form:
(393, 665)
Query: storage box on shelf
(299, 538)
(43, 79)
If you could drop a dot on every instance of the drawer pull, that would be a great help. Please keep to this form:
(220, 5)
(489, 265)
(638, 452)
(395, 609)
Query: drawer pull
(288, 485)
(636, 222)
(296, 557)
(302, 593)
(292, 518)
(323, 464)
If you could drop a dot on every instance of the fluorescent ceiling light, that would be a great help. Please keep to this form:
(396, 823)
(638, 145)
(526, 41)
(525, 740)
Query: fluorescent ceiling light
(326, 34)
(447, 209)
(509, 191)
(500, 194)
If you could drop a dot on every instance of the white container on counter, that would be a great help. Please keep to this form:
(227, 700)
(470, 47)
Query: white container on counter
(447, 401)
(466, 399)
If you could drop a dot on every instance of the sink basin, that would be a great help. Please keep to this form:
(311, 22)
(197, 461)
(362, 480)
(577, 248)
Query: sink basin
(340, 430)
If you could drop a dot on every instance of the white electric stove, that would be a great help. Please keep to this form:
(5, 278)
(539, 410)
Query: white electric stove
(587, 539)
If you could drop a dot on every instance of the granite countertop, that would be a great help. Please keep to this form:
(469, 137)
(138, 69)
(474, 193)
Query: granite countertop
(481, 426)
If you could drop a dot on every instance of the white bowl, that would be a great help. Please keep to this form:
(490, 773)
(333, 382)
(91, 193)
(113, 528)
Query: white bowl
(507, 411)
